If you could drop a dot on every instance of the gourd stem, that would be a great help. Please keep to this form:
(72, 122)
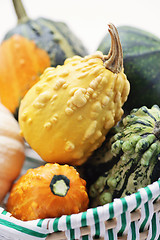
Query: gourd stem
(20, 10)
(114, 60)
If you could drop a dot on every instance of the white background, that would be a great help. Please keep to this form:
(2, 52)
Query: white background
(88, 19)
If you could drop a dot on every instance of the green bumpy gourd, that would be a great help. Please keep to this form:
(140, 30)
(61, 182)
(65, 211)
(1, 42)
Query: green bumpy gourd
(137, 146)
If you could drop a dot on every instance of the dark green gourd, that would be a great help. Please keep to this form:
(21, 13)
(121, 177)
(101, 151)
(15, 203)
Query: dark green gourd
(137, 145)
(141, 55)
(54, 37)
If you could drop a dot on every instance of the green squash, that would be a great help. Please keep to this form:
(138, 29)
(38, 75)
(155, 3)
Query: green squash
(54, 37)
(141, 54)
(136, 146)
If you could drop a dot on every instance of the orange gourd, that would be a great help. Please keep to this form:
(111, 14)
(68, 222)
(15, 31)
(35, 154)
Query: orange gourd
(11, 151)
(22, 62)
(48, 191)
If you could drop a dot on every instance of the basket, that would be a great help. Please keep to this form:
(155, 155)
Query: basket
(132, 217)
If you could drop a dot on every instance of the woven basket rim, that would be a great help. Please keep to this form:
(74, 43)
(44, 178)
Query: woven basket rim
(150, 192)
(104, 213)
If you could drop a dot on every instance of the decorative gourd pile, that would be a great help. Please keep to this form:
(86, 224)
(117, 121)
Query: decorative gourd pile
(12, 153)
(28, 49)
(136, 147)
(64, 118)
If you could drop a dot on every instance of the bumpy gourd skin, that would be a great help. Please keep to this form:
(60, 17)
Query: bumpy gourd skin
(66, 115)
(48, 191)
(136, 147)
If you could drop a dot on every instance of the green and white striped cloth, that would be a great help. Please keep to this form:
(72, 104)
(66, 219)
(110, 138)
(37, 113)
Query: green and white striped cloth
(11, 228)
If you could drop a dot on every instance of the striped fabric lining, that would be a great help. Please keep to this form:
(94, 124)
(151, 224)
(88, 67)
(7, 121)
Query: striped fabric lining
(95, 218)
(148, 209)
(22, 229)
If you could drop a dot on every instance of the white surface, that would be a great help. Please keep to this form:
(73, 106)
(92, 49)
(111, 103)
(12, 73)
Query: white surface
(88, 19)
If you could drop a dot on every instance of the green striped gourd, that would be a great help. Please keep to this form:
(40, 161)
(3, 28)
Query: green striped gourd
(54, 37)
(141, 55)
(136, 145)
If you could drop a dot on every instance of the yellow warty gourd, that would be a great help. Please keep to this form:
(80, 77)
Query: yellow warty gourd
(66, 115)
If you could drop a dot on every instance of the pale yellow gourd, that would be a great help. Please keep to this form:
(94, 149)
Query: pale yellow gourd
(11, 150)
(66, 115)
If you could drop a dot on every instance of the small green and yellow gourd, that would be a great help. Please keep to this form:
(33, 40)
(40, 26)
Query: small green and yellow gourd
(55, 38)
(136, 146)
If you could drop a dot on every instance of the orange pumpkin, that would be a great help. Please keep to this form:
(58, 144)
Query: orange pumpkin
(22, 62)
(48, 191)
(11, 150)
